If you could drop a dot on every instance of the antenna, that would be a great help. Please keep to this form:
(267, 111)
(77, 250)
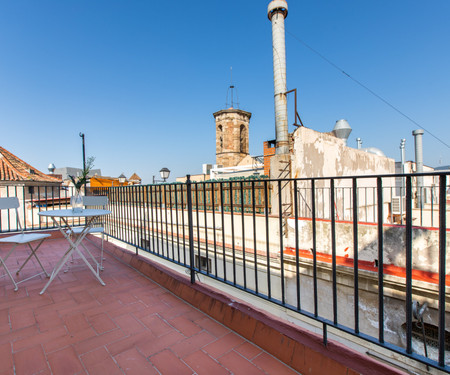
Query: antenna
(231, 92)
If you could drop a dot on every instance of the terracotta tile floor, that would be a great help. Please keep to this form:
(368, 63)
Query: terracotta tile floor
(129, 326)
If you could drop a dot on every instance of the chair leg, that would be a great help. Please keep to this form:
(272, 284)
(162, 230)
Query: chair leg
(71, 257)
(100, 263)
(33, 253)
(101, 255)
(2, 263)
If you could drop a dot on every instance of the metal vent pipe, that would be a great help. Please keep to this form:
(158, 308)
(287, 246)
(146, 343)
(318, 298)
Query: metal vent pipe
(419, 162)
(277, 11)
(358, 143)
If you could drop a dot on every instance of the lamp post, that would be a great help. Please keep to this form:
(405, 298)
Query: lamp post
(122, 179)
(164, 172)
(84, 153)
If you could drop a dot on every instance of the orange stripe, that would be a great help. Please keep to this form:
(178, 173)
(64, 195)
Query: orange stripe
(388, 269)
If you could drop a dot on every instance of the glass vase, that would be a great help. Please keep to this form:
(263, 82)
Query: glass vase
(76, 202)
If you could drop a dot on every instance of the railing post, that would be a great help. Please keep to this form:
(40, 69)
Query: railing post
(442, 264)
(190, 227)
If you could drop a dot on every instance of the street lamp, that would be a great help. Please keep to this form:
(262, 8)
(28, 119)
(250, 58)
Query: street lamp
(164, 172)
(84, 153)
(122, 179)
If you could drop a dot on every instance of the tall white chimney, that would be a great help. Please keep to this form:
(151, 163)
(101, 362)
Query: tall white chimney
(419, 161)
(277, 11)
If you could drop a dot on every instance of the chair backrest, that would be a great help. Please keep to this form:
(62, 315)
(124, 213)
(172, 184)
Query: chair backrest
(95, 200)
(8, 203)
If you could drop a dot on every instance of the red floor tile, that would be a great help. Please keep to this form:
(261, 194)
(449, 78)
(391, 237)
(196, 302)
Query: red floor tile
(185, 326)
(203, 364)
(239, 365)
(130, 342)
(22, 319)
(130, 326)
(157, 325)
(75, 322)
(95, 356)
(40, 339)
(271, 365)
(132, 362)
(98, 341)
(192, 344)
(223, 345)
(168, 363)
(30, 361)
(248, 350)
(6, 358)
(65, 361)
(102, 323)
(214, 328)
(68, 339)
(151, 347)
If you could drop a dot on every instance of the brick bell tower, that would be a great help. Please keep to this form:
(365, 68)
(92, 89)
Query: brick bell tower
(232, 127)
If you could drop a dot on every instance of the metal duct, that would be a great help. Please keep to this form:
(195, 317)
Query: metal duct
(342, 130)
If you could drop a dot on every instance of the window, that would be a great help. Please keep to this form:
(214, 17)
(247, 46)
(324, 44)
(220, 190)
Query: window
(243, 138)
(220, 137)
(203, 263)
(145, 244)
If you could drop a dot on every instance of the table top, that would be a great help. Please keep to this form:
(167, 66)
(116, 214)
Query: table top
(86, 212)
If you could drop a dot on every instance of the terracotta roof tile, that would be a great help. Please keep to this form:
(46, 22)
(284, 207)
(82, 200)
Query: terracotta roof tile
(14, 169)
(135, 177)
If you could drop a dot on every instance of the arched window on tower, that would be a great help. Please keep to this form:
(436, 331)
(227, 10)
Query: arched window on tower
(243, 138)
(220, 137)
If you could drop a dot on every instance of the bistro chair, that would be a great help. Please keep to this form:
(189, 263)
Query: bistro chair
(12, 203)
(93, 201)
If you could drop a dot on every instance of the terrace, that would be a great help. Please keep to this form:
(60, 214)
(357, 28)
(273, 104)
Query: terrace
(178, 251)
(130, 326)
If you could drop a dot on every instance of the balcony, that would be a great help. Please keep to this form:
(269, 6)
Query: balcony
(281, 270)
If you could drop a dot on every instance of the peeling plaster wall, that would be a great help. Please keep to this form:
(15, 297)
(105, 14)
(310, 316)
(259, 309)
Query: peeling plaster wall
(425, 243)
(318, 154)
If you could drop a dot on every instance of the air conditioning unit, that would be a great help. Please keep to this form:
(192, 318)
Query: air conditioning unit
(398, 205)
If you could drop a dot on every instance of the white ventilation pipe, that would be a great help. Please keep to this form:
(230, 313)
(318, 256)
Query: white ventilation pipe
(277, 11)
(402, 153)
(358, 143)
(419, 161)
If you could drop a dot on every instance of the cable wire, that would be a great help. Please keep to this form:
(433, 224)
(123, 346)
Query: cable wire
(366, 88)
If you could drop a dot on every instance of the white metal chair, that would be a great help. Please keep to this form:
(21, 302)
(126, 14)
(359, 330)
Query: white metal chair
(12, 203)
(94, 201)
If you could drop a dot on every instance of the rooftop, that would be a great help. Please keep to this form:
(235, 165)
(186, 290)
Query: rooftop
(13, 168)
(130, 326)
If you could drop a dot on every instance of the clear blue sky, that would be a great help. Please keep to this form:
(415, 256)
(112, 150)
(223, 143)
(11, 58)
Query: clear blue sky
(142, 80)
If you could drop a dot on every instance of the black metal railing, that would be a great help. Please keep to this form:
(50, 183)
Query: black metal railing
(360, 276)
(34, 199)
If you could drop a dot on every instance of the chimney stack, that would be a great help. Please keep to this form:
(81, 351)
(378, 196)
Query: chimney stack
(419, 161)
(277, 11)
